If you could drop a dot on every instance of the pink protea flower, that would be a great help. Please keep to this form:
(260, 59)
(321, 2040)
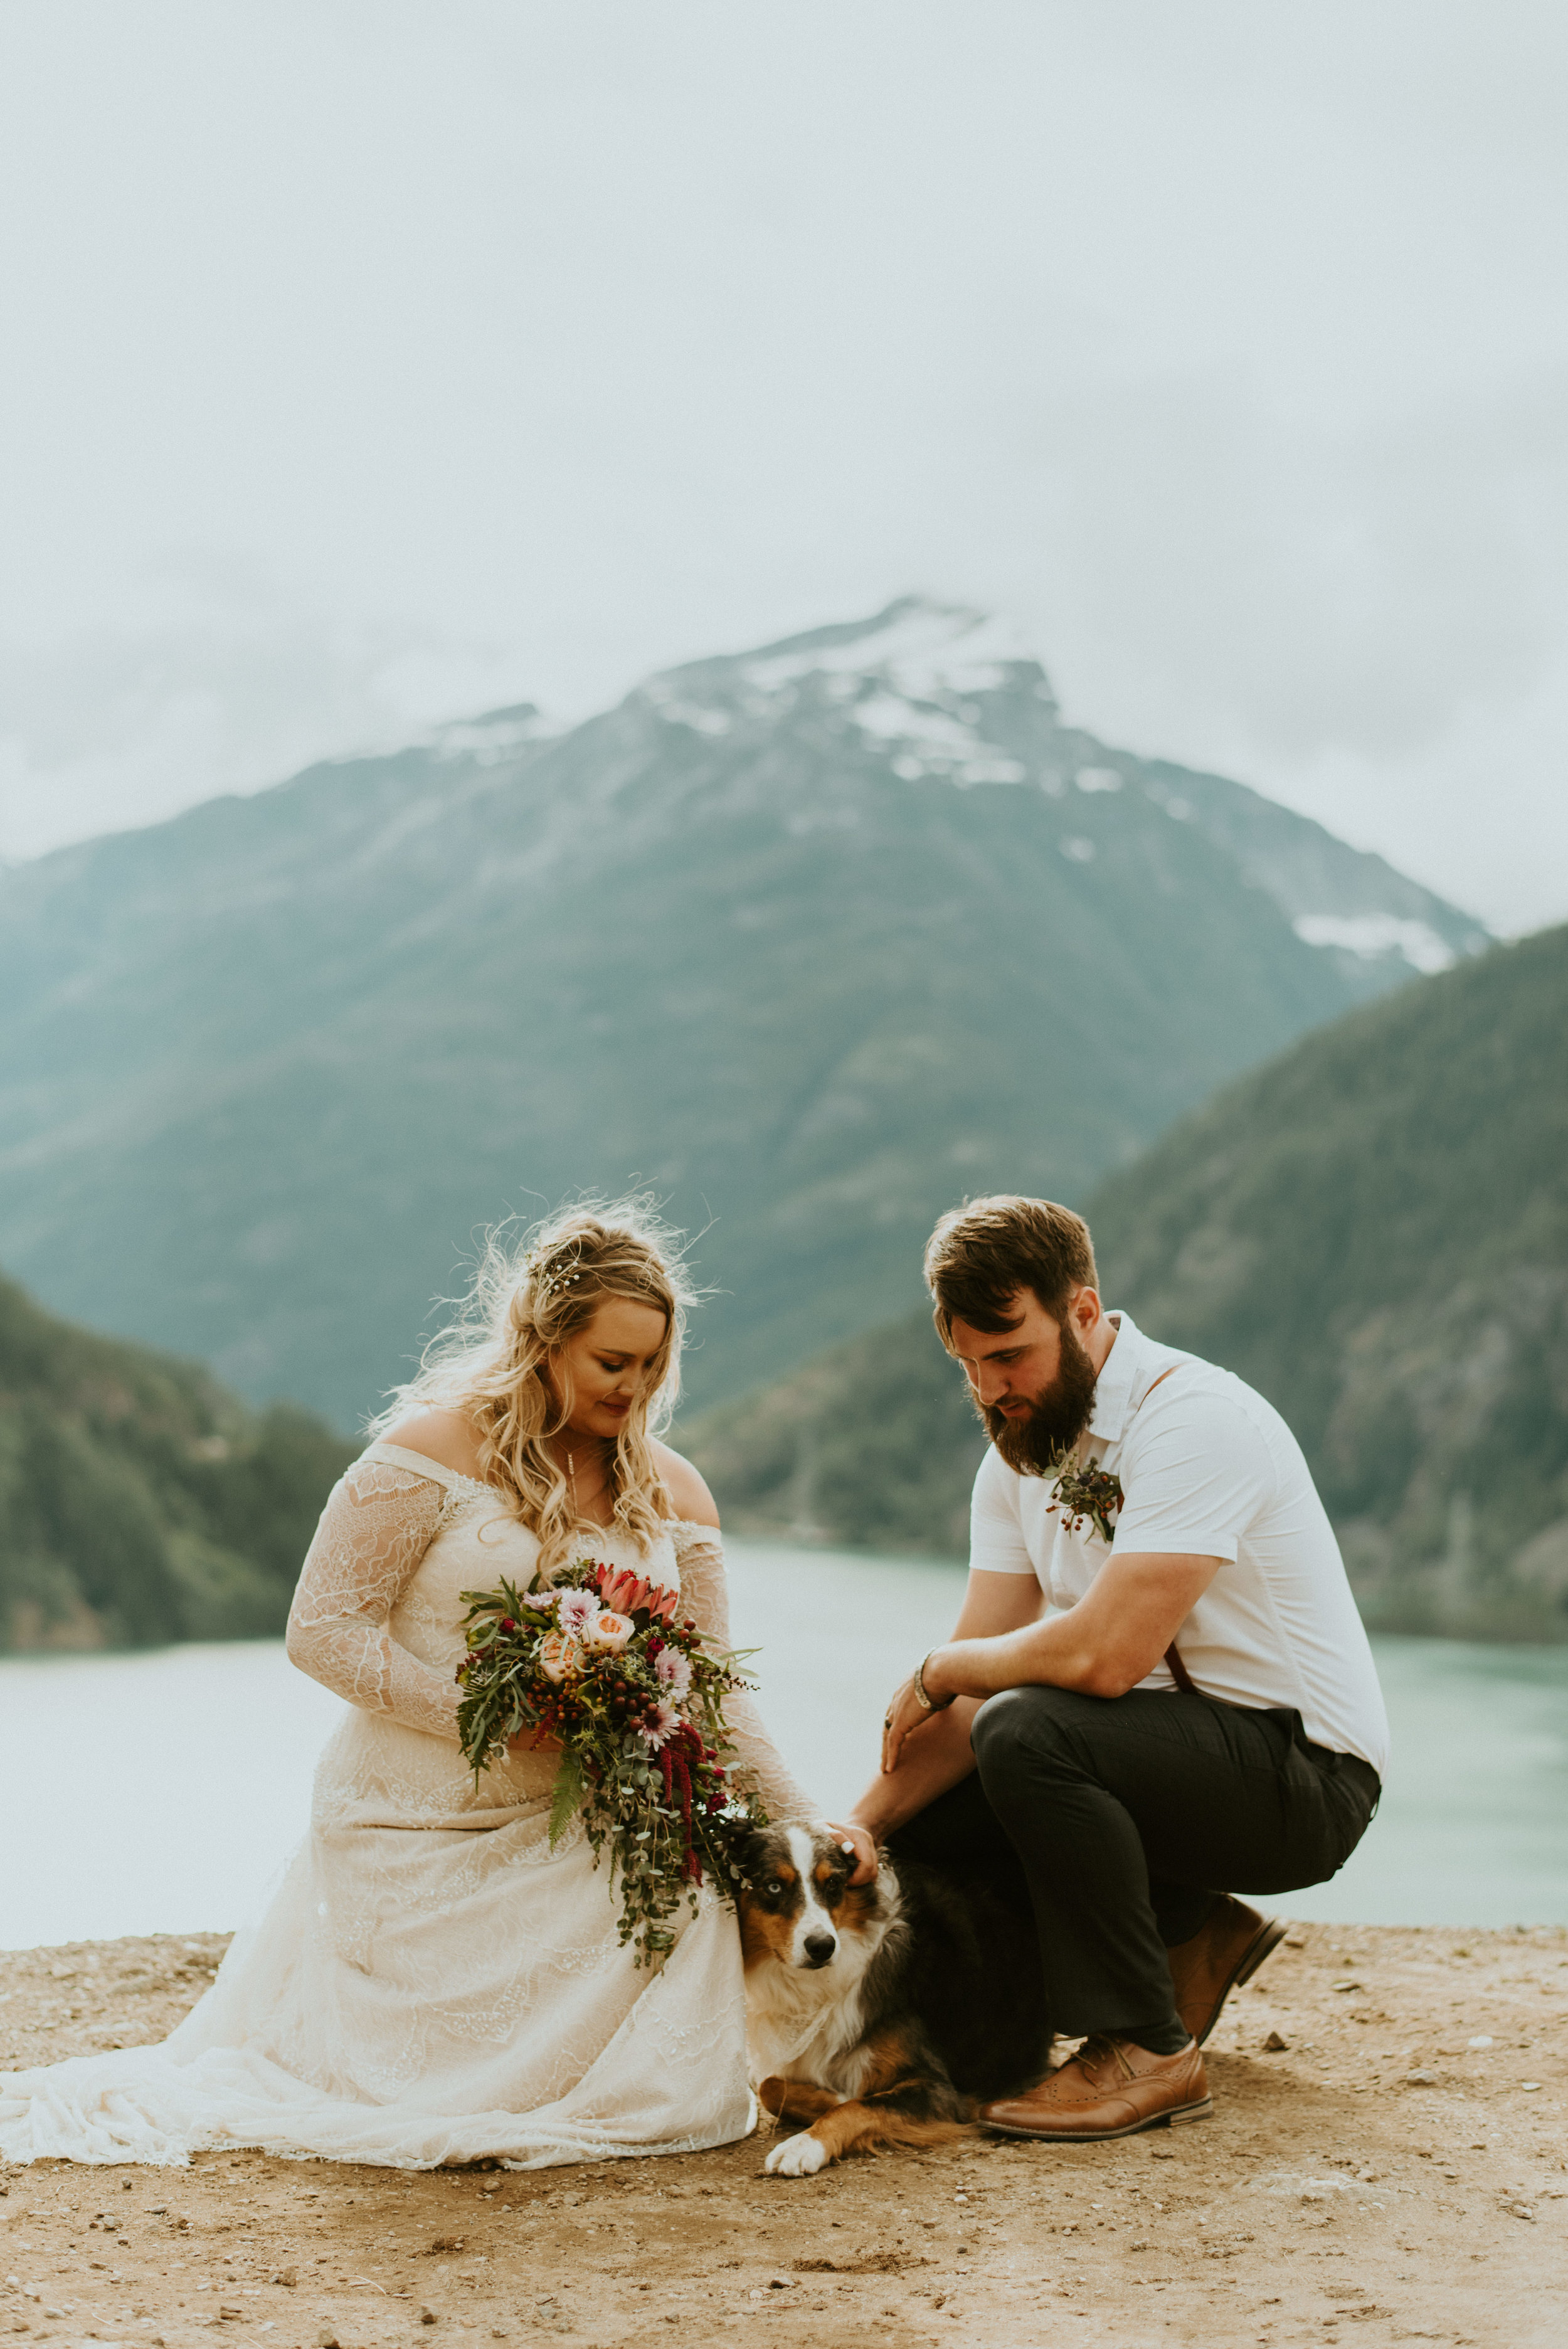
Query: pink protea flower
(673, 1672)
(627, 1591)
(661, 1727)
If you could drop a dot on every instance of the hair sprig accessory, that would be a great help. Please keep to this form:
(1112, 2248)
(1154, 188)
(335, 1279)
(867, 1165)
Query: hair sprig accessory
(547, 1282)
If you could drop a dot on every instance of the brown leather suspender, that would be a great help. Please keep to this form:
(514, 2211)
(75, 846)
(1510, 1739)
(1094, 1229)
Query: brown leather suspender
(1179, 1673)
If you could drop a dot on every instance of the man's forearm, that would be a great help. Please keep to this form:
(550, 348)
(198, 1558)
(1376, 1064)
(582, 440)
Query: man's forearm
(1103, 1646)
(1054, 1654)
(935, 1757)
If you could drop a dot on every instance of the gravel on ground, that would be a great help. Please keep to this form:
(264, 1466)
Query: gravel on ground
(1387, 2161)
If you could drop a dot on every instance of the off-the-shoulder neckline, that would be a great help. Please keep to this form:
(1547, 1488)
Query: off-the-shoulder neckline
(436, 1470)
(441, 1474)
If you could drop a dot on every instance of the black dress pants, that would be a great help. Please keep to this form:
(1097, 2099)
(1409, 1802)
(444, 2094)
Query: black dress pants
(1117, 1819)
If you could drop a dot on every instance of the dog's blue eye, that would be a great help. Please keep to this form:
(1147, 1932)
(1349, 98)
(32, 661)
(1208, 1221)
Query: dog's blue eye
(774, 1887)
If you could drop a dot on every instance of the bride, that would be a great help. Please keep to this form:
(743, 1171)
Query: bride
(432, 1984)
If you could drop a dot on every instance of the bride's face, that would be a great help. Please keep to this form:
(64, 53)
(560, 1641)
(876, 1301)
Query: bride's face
(603, 1369)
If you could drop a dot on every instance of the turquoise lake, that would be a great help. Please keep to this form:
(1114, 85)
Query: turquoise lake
(162, 1792)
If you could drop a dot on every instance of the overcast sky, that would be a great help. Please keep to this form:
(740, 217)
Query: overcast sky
(369, 363)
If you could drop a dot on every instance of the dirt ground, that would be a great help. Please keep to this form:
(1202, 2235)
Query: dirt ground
(1378, 2175)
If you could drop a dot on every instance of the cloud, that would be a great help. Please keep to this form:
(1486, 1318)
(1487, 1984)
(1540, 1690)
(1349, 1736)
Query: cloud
(231, 686)
(384, 363)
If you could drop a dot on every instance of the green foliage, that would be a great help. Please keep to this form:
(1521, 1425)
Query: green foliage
(1372, 1230)
(644, 1767)
(139, 1503)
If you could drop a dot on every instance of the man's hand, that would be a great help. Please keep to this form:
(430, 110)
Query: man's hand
(858, 1839)
(906, 1714)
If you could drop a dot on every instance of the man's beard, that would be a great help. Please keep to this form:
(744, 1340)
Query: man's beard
(1057, 1419)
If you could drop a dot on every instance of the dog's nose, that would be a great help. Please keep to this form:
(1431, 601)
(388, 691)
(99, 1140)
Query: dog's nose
(820, 1947)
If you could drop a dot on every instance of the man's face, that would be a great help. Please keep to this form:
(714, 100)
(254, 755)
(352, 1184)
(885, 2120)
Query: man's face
(1033, 1383)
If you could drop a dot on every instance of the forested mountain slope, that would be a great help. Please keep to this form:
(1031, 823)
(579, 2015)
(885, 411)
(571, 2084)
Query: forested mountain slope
(140, 1503)
(1374, 1231)
(812, 939)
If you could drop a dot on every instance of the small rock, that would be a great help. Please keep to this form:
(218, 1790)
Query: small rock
(1296, 1940)
(284, 2276)
(1420, 2079)
(325, 2338)
(426, 2316)
(779, 2283)
(1342, 1986)
(1529, 2086)
(1484, 2040)
(1274, 2045)
(1520, 2210)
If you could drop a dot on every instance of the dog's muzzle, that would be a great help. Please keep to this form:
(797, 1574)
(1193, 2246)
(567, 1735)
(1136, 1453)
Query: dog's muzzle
(821, 1949)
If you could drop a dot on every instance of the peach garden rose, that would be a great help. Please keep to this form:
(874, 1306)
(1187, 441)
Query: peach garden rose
(609, 1632)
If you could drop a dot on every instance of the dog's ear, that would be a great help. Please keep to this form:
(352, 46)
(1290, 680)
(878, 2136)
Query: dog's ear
(746, 1854)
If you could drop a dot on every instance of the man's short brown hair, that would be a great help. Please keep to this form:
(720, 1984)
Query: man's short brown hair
(981, 1255)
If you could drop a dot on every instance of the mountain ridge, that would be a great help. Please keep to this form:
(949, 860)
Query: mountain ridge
(804, 937)
(140, 1502)
(1372, 1230)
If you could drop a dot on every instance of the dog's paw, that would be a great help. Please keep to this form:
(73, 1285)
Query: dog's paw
(797, 2156)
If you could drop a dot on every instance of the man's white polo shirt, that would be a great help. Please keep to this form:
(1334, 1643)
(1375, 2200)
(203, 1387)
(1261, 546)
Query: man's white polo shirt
(1208, 1468)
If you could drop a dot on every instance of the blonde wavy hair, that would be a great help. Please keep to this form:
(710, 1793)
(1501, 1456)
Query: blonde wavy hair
(499, 1363)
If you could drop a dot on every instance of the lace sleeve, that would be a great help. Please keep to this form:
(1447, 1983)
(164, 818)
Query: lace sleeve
(377, 1524)
(706, 1593)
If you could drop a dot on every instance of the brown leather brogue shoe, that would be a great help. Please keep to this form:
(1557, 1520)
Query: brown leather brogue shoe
(1111, 2087)
(1227, 1950)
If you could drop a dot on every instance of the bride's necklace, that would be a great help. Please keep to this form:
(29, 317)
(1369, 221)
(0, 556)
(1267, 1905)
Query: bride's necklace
(577, 1502)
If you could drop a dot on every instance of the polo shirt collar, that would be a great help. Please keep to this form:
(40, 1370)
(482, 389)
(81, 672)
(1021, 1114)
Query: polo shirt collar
(1123, 1382)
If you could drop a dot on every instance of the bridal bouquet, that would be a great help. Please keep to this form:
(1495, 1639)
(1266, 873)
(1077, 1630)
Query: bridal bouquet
(598, 1664)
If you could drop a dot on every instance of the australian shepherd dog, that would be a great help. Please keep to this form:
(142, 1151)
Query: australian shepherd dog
(880, 2014)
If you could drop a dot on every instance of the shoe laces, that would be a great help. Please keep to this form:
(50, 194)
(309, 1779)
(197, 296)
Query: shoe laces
(1102, 2049)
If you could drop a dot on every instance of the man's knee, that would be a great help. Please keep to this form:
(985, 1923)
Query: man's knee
(1022, 1731)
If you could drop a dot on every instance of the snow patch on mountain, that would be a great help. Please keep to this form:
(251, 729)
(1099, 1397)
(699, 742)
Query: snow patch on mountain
(924, 651)
(498, 734)
(1376, 934)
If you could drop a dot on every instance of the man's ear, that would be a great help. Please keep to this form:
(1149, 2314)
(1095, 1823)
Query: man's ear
(1085, 1309)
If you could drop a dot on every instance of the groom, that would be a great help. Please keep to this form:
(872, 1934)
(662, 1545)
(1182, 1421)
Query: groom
(1158, 1685)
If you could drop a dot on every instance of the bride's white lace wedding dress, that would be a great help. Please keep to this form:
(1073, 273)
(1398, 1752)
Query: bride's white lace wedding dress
(432, 1982)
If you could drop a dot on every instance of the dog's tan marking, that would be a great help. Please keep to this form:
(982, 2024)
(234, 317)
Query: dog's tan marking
(764, 1934)
(857, 1910)
(795, 2100)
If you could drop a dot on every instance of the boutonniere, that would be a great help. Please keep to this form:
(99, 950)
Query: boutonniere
(1092, 1493)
